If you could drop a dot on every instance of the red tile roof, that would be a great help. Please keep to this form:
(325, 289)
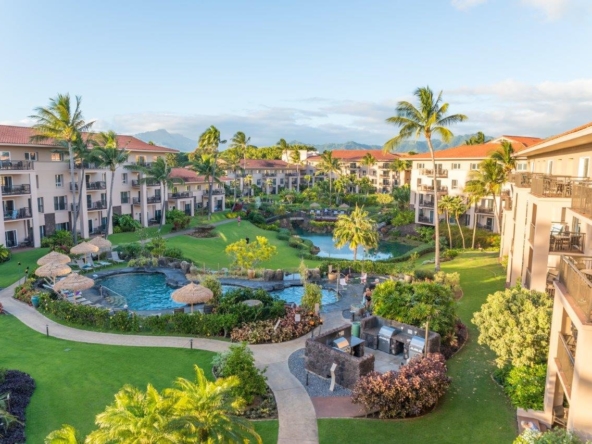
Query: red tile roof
(526, 141)
(566, 133)
(354, 155)
(465, 152)
(264, 163)
(21, 135)
(190, 176)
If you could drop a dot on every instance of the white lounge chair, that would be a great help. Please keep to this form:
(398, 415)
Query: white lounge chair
(83, 266)
(115, 257)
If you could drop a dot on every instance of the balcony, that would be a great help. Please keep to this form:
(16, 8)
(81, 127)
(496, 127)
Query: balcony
(89, 166)
(93, 186)
(425, 219)
(153, 200)
(73, 186)
(16, 189)
(553, 186)
(430, 189)
(426, 204)
(567, 242)
(481, 209)
(577, 284)
(521, 180)
(565, 363)
(98, 205)
(485, 227)
(149, 183)
(222, 191)
(16, 165)
(141, 164)
(430, 172)
(21, 213)
(135, 200)
(581, 199)
(183, 195)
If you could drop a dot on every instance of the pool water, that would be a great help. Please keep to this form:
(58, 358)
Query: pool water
(327, 246)
(294, 294)
(142, 291)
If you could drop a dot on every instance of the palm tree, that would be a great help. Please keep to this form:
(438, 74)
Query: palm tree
(458, 207)
(249, 182)
(308, 178)
(209, 141)
(108, 154)
(137, 417)
(430, 118)
(355, 229)
(296, 160)
(341, 186)
(207, 411)
(268, 184)
(207, 166)
(159, 171)
(444, 207)
(283, 146)
(477, 139)
(328, 165)
(240, 142)
(368, 160)
(82, 157)
(233, 163)
(66, 435)
(399, 166)
(476, 190)
(59, 122)
(491, 175)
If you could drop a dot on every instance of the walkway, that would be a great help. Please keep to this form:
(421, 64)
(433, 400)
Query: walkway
(297, 418)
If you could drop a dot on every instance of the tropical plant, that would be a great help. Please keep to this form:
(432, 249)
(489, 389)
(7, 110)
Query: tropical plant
(82, 157)
(355, 229)
(516, 324)
(126, 222)
(7, 419)
(4, 253)
(208, 143)
(384, 199)
(212, 283)
(402, 196)
(551, 436)
(368, 160)
(525, 386)
(457, 207)
(400, 165)
(66, 435)
(429, 119)
(477, 139)
(475, 190)
(491, 175)
(108, 154)
(296, 160)
(283, 146)
(444, 206)
(59, 122)
(328, 166)
(311, 297)
(207, 166)
(249, 255)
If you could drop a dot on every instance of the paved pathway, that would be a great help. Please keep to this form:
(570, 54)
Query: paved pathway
(297, 419)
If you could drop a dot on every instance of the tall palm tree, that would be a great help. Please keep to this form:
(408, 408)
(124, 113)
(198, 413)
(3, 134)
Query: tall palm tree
(491, 175)
(208, 143)
(283, 146)
(268, 184)
(477, 139)
(234, 164)
(355, 229)
(399, 166)
(328, 166)
(476, 190)
(458, 207)
(108, 154)
(428, 119)
(158, 171)
(66, 435)
(368, 160)
(249, 182)
(59, 122)
(444, 207)
(207, 166)
(308, 178)
(207, 411)
(296, 160)
(240, 142)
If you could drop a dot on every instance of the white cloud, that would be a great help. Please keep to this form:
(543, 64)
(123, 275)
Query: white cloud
(463, 5)
(552, 9)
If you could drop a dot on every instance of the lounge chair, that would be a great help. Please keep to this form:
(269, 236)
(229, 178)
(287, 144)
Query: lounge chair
(101, 263)
(115, 257)
(93, 264)
(84, 266)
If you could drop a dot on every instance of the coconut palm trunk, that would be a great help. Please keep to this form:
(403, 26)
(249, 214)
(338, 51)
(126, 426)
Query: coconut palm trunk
(462, 236)
(110, 206)
(76, 215)
(437, 221)
(474, 225)
(162, 198)
(73, 190)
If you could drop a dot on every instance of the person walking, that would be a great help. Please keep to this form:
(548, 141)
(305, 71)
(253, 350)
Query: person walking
(238, 219)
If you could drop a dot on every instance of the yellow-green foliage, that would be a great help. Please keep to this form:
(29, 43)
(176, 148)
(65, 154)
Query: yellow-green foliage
(250, 255)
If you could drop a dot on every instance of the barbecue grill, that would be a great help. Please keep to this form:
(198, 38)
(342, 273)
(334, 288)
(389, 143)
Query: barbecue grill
(342, 344)
(384, 338)
(416, 346)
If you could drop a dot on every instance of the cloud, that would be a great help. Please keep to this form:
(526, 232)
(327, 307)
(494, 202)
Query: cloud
(551, 9)
(463, 5)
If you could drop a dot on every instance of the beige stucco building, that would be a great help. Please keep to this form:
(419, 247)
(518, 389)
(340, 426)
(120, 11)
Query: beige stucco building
(546, 237)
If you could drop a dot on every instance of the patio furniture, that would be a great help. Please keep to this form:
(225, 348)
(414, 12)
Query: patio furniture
(83, 266)
(115, 257)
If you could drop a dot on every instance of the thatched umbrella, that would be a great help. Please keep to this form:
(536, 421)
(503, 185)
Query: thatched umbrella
(315, 205)
(84, 248)
(101, 242)
(52, 270)
(74, 282)
(344, 206)
(192, 294)
(54, 256)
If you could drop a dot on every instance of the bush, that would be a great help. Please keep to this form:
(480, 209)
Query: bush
(125, 223)
(232, 303)
(178, 218)
(130, 251)
(20, 386)
(143, 262)
(282, 236)
(256, 217)
(173, 253)
(27, 290)
(312, 296)
(554, 436)
(61, 241)
(525, 386)
(239, 361)
(414, 390)
(423, 275)
(213, 284)
(117, 230)
(268, 227)
(450, 254)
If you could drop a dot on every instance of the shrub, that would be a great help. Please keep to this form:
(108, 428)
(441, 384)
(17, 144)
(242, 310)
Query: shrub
(60, 241)
(525, 386)
(143, 262)
(173, 253)
(25, 291)
(553, 436)
(256, 217)
(232, 303)
(239, 361)
(117, 230)
(156, 246)
(125, 223)
(213, 284)
(268, 227)
(249, 255)
(312, 296)
(451, 280)
(178, 218)
(450, 254)
(423, 275)
(20, 387)
(130, 251)
(415, 389)
(282, 236)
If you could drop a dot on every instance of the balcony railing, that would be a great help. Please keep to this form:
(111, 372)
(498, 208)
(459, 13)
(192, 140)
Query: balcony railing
(99, 185)
(141, 164)
(183, 195)
(16, 165)
(21, 213)
(153, 199)
(430, 189)
(578, 285)
(553, 186)
(16, 189)
(90, 166)
(149, 183)
(425, 219)
(521, 180)
(581, 199)
(567, 242)
(484, 210)
(222, 191)
(565, 364)
(73, 186)
(430, 172)
(136, 200)
(98, 205)
(427, 204)
(485, 227)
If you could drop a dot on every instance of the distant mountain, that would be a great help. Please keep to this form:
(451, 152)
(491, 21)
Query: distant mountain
(170, 140)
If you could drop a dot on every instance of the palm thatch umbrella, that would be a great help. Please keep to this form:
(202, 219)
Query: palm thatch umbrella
(315, 205)
(54, 256)
(344, 206)
(84, 248)
(192, 294)
(74, 282)
(102, 243)
(52, 270)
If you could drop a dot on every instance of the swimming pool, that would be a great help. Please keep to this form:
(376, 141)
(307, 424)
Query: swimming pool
(294, 294)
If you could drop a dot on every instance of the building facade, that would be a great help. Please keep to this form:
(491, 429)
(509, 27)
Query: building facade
(271, 176)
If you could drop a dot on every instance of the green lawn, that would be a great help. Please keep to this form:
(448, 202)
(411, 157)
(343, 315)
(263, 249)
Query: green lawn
(475, 409)
(75, 381)
(210, 251)
(11, 271)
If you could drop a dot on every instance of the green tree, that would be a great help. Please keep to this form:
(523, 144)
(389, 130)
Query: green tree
(248, 256)
(476, 190)
(66, 435)
(368, 160)
(457, 207)
(4, 253)
(108, 154)
(477, 139)
(59, 122)
(172, 160)
(430, 118)
(327, 166)
(160, 172)
(444, 207)
(516, 324)
(355, 229)
(399, 166)
(241, 143)
(208, 143)
(207, 166)
(296, 160)
(283, 146)
(491, 175)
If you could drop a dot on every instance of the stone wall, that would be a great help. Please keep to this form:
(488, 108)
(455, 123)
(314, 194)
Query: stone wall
(319, 357)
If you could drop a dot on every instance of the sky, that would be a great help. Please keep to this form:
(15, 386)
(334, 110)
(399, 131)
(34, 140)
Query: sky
(313, 71)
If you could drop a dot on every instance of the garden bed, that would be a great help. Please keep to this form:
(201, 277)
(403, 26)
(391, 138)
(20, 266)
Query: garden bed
(20, 387)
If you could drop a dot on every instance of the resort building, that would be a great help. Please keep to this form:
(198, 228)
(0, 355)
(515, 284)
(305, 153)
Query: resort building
(547, 238)
(272, 176)
(453, 170)
(37, 198)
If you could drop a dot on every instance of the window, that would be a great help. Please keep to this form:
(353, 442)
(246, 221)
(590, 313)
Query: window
(521, 166)
(30, 156)
(65, 226)
(198, 188)
(37, 181)
(4, 156)
(549, 167)
(40, 204)
(140, 159)
(583, 167)
(420, 166)
(456, 166)
(57, 157)
(60, 203)
(41, 231)
(474, 166)
(124, 197)
(454, 184)
(59, 180)
(124, 178)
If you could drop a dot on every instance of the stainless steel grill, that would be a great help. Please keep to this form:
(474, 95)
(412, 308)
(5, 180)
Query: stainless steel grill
(342, 344)
(384, 338)
(416, 346)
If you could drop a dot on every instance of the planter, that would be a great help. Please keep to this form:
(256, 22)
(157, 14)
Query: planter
(250, 274)
(332, 276)
(35, 301)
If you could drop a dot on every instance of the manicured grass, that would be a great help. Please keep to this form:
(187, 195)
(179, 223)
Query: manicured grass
(268, 430)
(474, 409)
(210, 251)
(10, 271)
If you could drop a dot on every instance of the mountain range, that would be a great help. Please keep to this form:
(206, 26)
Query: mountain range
(178, 141)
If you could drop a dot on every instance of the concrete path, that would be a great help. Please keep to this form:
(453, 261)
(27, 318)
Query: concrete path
(297, 418)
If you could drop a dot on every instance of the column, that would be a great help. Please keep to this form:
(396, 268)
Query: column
(83, 210)
(143, 203)
(34, 213)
